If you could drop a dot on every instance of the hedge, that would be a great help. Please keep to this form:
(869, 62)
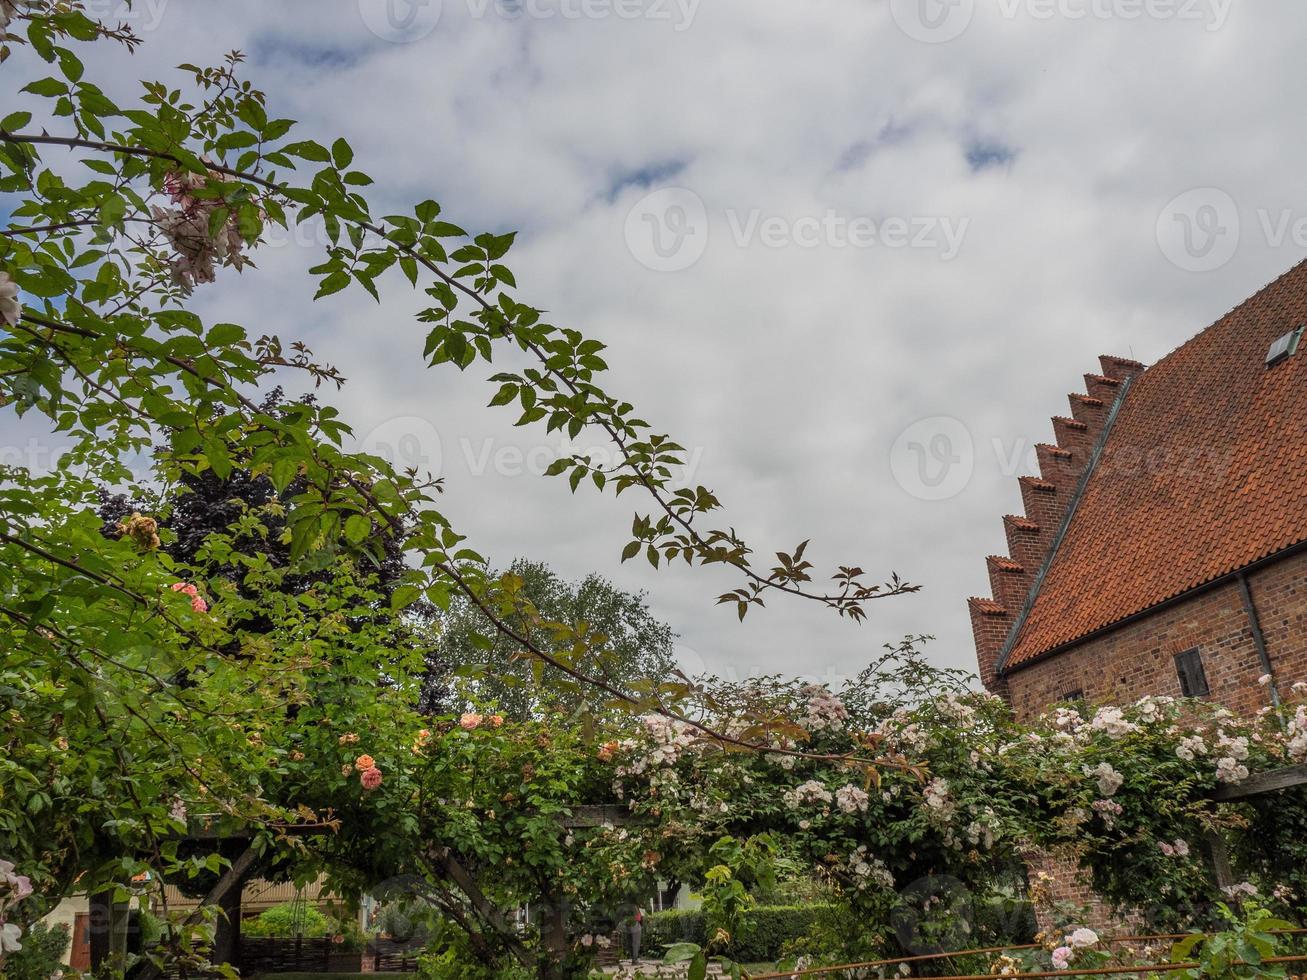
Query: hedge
(764, 930)
(39, 959)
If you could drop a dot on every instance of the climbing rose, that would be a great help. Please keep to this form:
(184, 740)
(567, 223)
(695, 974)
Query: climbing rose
(370, 778)
(1062, 957)
(10, 935)
(364, 763)
(197, 246)
(469, 721)
(1109, 780)
(144, 531)
(13, 887)
(197, 603)
(10, 308)
(1082, 937)
(850, 798)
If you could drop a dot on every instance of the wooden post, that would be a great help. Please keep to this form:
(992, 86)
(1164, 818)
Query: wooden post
(101, 916)
(1220, 860)
(553, 935)
(227, 932)
(233, 877)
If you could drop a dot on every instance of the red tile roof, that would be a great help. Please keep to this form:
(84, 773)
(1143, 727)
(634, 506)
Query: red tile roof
(988, 607)
(1203, 472)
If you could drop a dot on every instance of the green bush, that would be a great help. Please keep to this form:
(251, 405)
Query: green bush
(287, 921)
(450, 957)
(764, 931)
(41, 955)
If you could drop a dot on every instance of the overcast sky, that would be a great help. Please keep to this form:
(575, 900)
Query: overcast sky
(852, 253)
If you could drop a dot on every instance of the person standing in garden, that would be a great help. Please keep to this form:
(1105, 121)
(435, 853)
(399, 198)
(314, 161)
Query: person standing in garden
(637, 930)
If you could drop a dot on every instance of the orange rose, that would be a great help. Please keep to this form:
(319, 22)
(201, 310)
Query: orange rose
(364, 762)
(469, 721)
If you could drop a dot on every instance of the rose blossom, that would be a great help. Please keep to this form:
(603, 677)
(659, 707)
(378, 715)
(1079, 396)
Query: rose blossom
(1062, 957)
(370, 778)
(10, 935)
(1082, 937)
(197, 603)
(469, 721)
(364, 763)
(10, 309)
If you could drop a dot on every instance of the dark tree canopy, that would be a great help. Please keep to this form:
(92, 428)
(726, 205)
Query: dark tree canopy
(204, 504)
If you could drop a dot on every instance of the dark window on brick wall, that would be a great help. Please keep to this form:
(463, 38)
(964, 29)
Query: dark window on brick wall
(1193, 679)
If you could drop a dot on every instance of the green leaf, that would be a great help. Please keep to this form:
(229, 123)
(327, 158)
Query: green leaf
(283, 471)
(15, 120)
(71, 65)
(47, 87)
(404, 596)
(681, 952)
(308, 150)
(341, 154)
(334, 283)
(504, 395)
(357, 528)
(225, 334)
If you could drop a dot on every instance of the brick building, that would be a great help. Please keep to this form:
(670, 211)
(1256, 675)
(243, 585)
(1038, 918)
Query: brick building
(1163, 549)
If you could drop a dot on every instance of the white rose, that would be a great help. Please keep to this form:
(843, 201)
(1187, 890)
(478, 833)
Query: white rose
(10, 309)
(10, 935)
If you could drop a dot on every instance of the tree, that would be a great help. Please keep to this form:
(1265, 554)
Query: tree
(635, 645)
(133, 686)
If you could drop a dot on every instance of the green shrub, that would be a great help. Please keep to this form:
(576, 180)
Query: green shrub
(450, 957)
(764, 930)
(287, 921)
(41, 955)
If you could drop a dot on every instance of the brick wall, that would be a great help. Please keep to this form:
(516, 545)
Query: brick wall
(1139, 658)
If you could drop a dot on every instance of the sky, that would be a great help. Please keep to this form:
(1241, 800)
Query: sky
(852, 254)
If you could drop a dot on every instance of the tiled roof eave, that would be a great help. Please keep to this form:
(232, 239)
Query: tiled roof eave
(1030, 659)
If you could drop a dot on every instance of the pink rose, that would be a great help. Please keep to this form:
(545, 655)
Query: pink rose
(1061, 957)
(197, 603)
(469, 721)
(370, 778)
